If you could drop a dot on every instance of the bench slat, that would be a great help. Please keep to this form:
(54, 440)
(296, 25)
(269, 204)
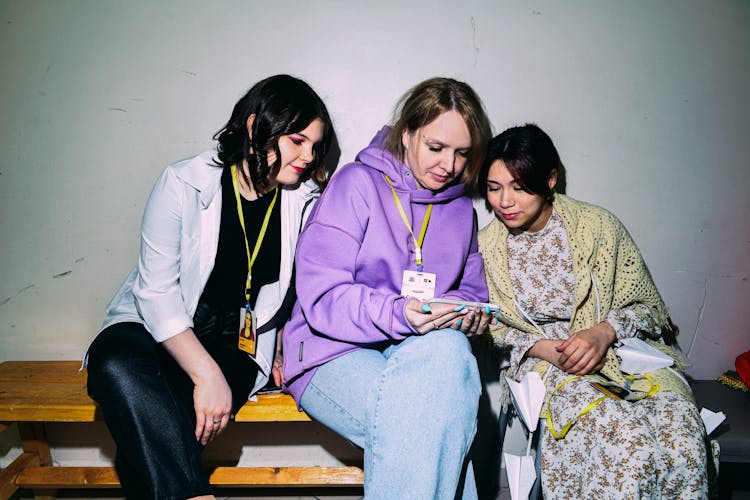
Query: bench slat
(46, 402)
(64, 372)
(271, 408)
(287, 476)
(106, 477)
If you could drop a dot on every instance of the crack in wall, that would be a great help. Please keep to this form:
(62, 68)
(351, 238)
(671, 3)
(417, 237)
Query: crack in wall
(700, 318)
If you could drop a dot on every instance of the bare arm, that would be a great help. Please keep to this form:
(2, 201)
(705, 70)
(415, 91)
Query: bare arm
(212, 396)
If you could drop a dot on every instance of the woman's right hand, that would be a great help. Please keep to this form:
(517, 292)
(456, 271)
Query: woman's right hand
(212, 399)
(427, 317)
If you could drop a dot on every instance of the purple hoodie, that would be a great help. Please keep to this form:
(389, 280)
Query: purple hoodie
(352, 254)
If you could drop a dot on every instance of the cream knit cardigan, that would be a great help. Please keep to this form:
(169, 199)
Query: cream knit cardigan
(603, 254)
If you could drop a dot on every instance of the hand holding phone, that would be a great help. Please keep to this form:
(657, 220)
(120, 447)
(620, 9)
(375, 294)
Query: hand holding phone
(484, 306)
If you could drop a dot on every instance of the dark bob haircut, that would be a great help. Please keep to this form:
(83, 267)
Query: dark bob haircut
(529, 155)
(282, 105)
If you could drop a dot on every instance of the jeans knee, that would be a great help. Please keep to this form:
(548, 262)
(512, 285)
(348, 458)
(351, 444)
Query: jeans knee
(446, 358)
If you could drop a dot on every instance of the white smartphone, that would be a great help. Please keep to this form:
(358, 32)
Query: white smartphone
(482, 305)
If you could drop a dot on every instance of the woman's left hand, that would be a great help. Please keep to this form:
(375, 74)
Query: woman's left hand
(584, 351)
(475, 322)
(277, 368)
(425, 317)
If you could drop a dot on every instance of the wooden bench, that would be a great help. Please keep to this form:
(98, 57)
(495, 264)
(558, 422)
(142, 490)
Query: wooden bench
(33, 393)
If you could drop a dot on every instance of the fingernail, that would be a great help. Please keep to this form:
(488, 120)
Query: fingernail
(459, 308)
(426, 308)
(487, 309)
(458, 325)
(494, 321)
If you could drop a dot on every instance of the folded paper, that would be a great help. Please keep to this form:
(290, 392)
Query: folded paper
(712, 419)
(637, 357)
(528, 396)
(521, 475)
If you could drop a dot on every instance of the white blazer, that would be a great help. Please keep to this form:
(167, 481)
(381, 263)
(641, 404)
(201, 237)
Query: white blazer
(179, 240)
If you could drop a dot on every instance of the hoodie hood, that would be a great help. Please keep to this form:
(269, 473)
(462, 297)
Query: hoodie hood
(376, 157)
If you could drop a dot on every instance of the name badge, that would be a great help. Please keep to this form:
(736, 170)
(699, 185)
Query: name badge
(418, 285)
(247, 340)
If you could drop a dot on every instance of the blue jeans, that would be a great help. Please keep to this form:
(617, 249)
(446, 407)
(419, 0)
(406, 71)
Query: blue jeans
(412, 407)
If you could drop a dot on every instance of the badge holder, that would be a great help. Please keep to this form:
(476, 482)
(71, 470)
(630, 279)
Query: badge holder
(248, 328)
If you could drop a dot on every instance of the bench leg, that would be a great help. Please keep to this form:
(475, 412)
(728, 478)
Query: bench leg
(34, 440)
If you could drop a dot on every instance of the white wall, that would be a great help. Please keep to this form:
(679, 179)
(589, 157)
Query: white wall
(648, 103)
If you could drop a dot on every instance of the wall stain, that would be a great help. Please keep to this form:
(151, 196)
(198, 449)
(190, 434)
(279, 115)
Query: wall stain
(189, 73)
(33, 285)
(62, 275)
(122, 110)
(4, 301)
(474, 41)
(79, 260)
(536, 12)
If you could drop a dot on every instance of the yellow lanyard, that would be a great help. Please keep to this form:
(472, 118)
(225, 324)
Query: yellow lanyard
(425, 222)
(562, 432)
(261, 235)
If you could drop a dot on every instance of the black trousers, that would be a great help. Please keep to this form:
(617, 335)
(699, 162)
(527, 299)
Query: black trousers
(147, 402)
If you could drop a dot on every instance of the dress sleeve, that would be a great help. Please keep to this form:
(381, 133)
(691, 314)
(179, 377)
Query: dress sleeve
(156, 288)
(521, 341)
(636, 320)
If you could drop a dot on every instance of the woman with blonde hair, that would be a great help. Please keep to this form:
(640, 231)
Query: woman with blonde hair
(366, 353)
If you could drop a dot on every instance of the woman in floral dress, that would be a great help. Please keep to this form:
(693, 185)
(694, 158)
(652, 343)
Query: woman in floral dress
(572, 283)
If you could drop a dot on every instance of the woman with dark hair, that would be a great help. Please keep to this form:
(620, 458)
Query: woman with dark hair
(191, 334)
(572, 285)
(367, 353)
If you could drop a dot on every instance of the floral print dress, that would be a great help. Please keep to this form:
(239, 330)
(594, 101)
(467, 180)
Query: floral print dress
(652, 448)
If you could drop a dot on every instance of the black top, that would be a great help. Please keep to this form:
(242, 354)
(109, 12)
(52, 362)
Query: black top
(225, 288)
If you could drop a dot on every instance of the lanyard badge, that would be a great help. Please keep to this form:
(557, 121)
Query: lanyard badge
(248, 325)
(417, 284)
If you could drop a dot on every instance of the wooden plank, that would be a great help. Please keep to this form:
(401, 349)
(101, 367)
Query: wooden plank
(106, 477)
(46, 402)
(271, 408)
(64, 372)
(287, 476)
(9, 473)
(68, 477)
